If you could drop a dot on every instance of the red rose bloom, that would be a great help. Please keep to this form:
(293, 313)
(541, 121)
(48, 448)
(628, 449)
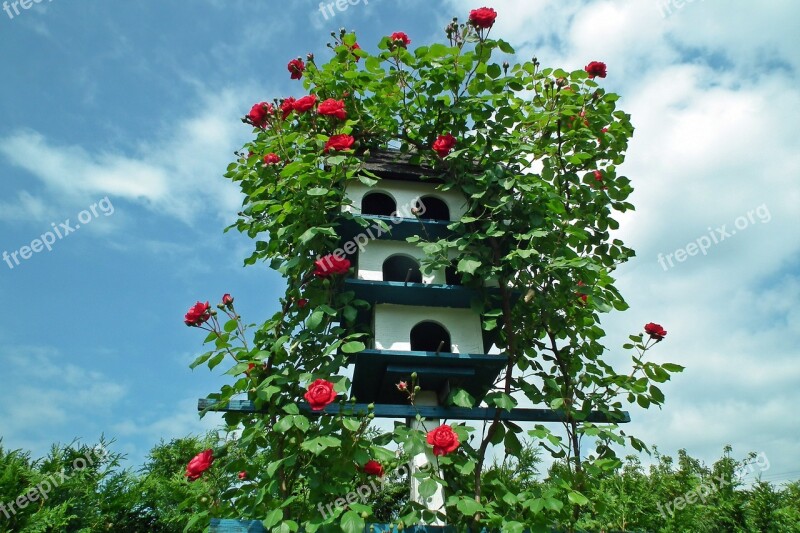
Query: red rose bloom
(483, 17)
(287, 106)
(373, 468)
(581, 295)
(305, 103)
(272, 159)
(198, 314)
(339, 143)
(596, 68)
(400, 38)
(333, 108)
(320, 393)
(259, 114)
(296, 67)
(355, 47)
(402, 386)
(444, 144)
(199, 464)
(443, 439)
(242, 475)
(331, 265)
(598, 176)
(250, 367)
(655, 331)
(302, 303)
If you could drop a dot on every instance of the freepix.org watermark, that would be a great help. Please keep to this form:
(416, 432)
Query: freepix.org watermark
(359, 242)
(47, 239)
(704, 490)
(666, 6)
(327, 8)
(16, 4)
(40, 491)
(714, 236)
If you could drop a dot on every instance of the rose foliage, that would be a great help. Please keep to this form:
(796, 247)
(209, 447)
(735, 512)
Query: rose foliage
(536, 221)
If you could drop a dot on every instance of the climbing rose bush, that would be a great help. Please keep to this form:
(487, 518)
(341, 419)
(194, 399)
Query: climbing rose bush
(521, 142)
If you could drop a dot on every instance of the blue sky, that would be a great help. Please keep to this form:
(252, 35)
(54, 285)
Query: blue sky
(139, 103)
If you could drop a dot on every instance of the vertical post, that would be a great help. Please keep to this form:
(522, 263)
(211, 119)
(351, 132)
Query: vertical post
(424, 461)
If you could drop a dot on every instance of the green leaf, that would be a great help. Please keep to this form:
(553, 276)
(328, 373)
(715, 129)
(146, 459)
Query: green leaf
(315, 319)
(200, 360)
(671, 367)
(353, 347)
(468, 265)
(351, 424)
(217, 359)
(427, 488)
(463, 399)
(468, 506)
(302, 423)
(352, 522)
(273, 518)
(577, 498)
(505, 47)
(553, 504)
(317, 191)
(284, 424)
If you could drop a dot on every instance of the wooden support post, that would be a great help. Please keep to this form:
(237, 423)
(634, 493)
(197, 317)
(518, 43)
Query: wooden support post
(424, 461)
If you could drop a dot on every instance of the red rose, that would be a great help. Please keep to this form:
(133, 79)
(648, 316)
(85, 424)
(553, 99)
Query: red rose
(319, 394)
(199, 464)
(596, 68)
(333, 108)
(598, 176)
(483, 17)
(227, 300)
(296, 67)
(259, 114)
(402, 386)
(330, 265)
(198, 314)
(339, 143)
(287, 106)
(443, 439)
(655, 331)
(305, 103)
(373, 468)
(581, 295)
(302, 303)
(401, 39)
(243, 475)
(444, 144)
(250, 367)
(355, 47)
(272, 159)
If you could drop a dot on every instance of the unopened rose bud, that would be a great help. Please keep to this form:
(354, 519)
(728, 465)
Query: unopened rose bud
(302, 303)
(561, 82)
(413, 375)
(310, 57)
(414, 211)
(227, 300)
(371, 406)
(402, 386)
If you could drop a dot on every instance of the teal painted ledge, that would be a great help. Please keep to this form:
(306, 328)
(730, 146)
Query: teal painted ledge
(408, 411)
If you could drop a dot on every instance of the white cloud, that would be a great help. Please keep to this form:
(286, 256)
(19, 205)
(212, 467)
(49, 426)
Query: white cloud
(178, 176)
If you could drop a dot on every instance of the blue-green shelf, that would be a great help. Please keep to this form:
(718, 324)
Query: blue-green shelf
(378, 371)
(399, 229)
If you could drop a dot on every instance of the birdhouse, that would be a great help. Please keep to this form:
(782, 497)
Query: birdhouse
(419, 321)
